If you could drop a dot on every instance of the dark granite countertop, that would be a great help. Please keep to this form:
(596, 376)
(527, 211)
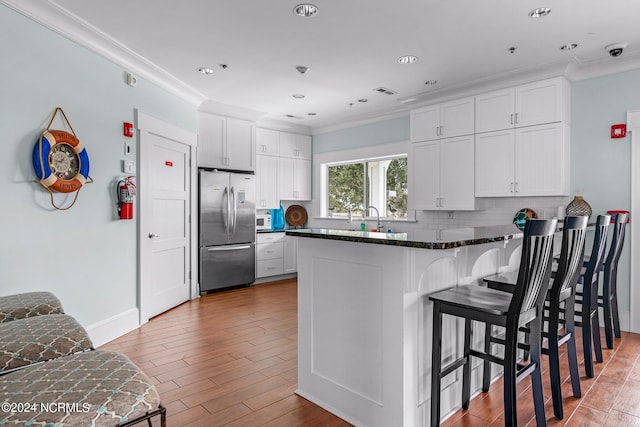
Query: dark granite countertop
(446, 238)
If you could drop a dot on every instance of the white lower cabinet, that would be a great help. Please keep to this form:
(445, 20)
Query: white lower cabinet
(290, 254)
(531, 161)
(269, 254)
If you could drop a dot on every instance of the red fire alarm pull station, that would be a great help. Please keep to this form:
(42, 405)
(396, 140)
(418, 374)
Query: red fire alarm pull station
(619, 131)
(128, 130)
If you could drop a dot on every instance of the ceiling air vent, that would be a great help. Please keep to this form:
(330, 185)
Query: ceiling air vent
(385, 91)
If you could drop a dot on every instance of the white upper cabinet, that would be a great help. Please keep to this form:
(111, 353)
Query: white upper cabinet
(267, 142)
(267, 182)
(528, 161)
(295, 145)
(226, 143)
(283, 167)
(294, 179)
(446, 120)
(442, 174)
(541, 102)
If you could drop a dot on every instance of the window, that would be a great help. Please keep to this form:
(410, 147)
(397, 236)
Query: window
(381, 183)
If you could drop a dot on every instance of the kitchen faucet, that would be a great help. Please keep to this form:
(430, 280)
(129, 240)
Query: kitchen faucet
(379, 226)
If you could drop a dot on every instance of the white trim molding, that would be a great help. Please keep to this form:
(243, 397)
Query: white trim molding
(52, 16)
(633, 126)
(115, 326)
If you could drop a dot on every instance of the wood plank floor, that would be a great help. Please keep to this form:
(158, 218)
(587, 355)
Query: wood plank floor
(229, 359)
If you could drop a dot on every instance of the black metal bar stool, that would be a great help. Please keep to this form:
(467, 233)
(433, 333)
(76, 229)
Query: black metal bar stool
(609, 299)
(587, 297)
(561, 294)
(510, 311)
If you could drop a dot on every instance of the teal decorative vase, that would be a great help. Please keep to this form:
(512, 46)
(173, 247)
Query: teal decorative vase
(578, 207)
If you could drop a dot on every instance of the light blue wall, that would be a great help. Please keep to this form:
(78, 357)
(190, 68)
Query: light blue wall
(601, 165)
(84, 255)
(382, 132)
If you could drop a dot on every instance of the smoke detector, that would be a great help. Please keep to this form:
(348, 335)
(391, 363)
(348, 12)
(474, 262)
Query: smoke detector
(302, 69)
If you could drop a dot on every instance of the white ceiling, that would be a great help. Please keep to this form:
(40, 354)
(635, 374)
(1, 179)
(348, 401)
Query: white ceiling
(351, 47)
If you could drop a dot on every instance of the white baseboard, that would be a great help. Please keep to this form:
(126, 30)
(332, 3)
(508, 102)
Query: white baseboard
(109, 329)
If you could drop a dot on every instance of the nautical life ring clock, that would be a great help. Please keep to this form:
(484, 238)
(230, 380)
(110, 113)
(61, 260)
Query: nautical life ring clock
(60, 161)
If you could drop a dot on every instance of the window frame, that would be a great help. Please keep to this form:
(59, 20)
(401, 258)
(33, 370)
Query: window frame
(360, 154)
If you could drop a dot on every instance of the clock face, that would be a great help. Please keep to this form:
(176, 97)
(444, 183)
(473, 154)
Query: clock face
(64, 161)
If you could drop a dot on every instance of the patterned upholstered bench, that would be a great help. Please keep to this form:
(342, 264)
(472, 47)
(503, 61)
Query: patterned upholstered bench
(28, 304)
(38, 339)
(95, 388)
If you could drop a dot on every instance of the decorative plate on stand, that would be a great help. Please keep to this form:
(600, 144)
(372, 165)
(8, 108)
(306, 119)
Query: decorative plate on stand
(296, 215)
(522, 215)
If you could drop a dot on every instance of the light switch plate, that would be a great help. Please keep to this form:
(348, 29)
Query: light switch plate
(128, 149)
(129, 166)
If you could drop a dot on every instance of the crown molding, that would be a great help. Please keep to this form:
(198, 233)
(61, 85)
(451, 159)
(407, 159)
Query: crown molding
(59, 20)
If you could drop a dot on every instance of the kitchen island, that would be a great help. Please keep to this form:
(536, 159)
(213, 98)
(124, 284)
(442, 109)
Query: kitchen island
(364, 322)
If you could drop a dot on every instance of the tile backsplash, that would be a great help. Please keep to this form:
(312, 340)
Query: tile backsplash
(491, 211)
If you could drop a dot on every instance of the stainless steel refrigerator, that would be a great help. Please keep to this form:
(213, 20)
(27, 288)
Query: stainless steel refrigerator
(227, 229)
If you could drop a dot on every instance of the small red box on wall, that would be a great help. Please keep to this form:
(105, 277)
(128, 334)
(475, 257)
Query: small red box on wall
(618, 131)
(617, 212)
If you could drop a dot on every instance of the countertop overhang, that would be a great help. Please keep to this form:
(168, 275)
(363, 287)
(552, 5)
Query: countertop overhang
(441, 238)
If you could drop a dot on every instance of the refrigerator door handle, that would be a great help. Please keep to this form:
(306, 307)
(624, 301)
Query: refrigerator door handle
(226, 215)
(227, 248)
(235, 210)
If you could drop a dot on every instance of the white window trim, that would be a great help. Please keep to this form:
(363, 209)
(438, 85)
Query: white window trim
(350, 156)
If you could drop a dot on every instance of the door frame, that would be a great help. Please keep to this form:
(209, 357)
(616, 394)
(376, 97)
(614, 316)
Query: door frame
(145, 125)
(633, 125)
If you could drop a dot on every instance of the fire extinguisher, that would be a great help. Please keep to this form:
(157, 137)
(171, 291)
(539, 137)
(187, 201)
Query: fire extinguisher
(126, 190)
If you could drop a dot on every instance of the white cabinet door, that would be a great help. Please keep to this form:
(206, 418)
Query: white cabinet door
(541, 161)
(425, 123)
(494, 110)
(211, 141)
(295, 145)
(302, 179)
(240, 145)
(286, 177)
(539, 103)
(495, 163)
(267, 142)
(304, 146)
(290, 254)
(531, 104)
(294, 176)
(424, 175)
(267, 182)
(457, 118)
(457, 176)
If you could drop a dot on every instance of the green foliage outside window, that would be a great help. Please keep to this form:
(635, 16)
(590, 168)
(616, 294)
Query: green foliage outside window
(347, 188)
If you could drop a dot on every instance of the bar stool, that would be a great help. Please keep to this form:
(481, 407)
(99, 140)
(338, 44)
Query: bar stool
(609, 299)
(587, 297)
(510, 311)
(561, 293)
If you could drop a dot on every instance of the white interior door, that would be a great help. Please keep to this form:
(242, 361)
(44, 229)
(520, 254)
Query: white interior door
(166, 197)
(633, 124)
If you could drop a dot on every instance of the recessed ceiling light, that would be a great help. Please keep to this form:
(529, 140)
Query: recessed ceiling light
(430, 82)
(306, 10)
(206, 70)
(312, 114)
(569, 46)
(302, 69)
(539, 12)
(298, 95)
(407, 59)
(362, 100)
